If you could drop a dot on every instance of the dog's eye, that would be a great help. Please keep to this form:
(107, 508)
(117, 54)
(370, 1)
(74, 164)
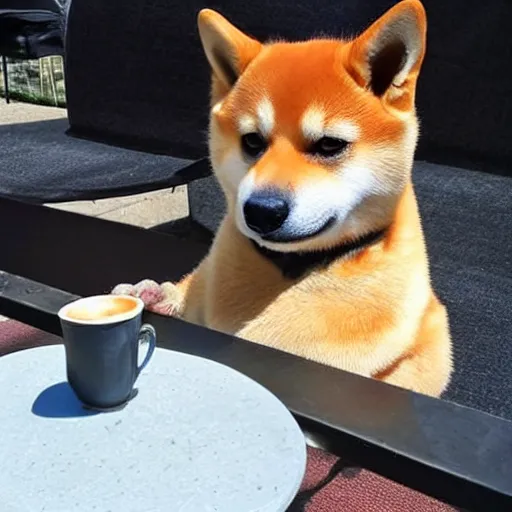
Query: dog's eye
(253, 144)
(327, 147)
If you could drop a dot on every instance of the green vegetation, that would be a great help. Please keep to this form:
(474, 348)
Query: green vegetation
(26, 97)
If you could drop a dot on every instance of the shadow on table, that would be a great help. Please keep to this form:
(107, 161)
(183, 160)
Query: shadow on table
(59, 401)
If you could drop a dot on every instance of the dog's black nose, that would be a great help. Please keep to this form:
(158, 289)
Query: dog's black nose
(265, 212)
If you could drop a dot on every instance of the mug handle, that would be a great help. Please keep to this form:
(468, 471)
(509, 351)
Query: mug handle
(147, 334)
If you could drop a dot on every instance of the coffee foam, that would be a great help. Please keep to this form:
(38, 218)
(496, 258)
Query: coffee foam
(101, 309)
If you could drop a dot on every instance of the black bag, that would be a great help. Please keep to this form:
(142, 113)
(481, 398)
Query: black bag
(31, 29)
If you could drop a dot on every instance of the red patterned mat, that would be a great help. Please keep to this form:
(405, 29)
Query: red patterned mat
(327, 486)
(17, 336)
(330, 487)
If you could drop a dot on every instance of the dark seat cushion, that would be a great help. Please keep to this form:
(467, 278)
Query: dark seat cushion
(467, 216)
(40, 163)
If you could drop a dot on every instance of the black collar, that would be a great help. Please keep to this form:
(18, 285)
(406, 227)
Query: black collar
(295, 265)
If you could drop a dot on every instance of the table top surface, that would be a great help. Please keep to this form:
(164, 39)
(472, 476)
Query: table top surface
(199, 436)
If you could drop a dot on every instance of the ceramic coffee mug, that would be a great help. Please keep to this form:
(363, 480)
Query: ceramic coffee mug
(101, 336)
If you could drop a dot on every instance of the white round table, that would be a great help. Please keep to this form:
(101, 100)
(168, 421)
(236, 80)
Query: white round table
(199, 436)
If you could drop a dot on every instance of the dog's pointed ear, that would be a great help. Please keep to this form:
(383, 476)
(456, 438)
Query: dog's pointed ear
(386, 58)
(228, 50)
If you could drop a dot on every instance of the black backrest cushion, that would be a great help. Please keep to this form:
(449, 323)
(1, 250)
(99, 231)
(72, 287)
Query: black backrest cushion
(136, 72)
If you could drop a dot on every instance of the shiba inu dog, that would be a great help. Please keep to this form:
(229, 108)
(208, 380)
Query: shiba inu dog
(321, 252)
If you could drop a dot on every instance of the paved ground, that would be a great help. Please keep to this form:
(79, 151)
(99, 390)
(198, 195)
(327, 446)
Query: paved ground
(144, 210)
(25, 112)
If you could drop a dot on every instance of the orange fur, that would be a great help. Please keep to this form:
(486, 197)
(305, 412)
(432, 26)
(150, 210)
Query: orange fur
(374, 312)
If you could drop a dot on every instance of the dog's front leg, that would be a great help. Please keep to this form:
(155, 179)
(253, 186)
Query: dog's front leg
(183, 299)
(166, 298)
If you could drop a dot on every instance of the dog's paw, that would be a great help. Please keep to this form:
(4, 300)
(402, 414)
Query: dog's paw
(164, 299)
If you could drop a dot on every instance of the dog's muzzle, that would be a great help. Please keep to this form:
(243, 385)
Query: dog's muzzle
(265, 211)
